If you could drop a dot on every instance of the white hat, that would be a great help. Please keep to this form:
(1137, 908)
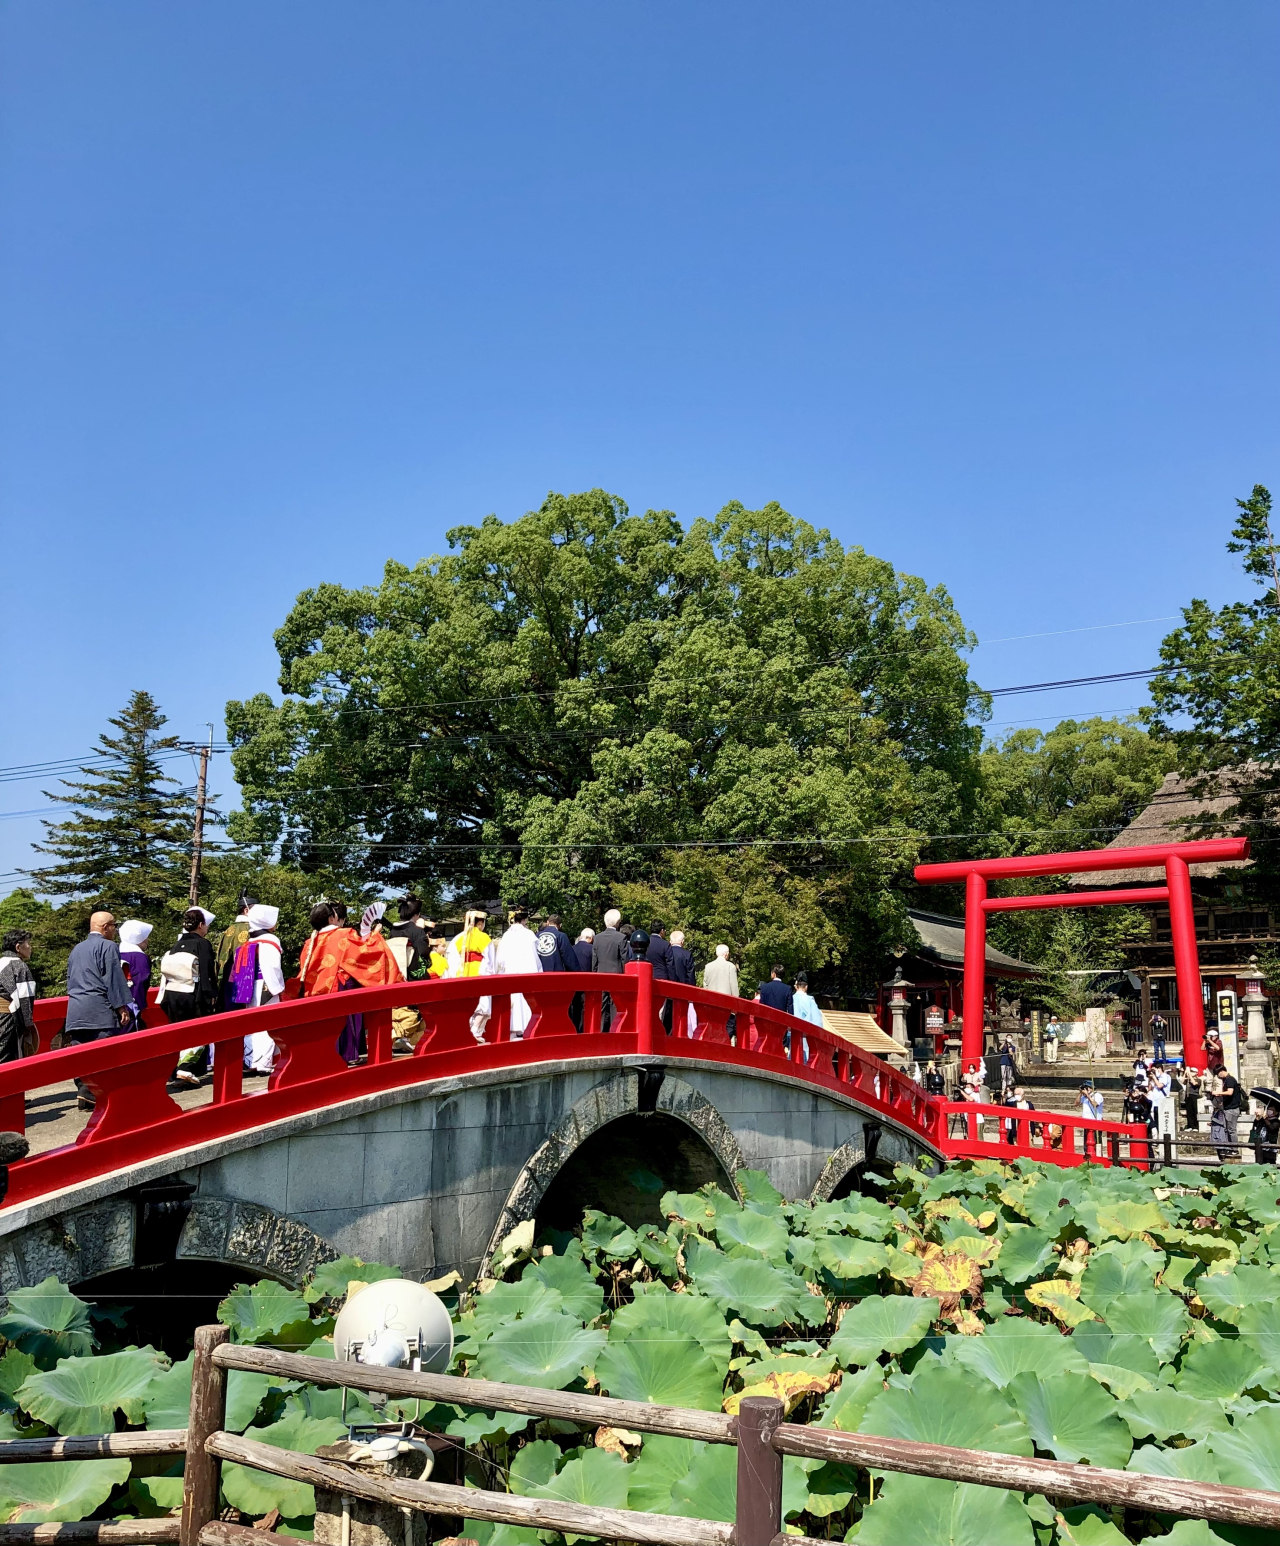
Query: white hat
(133, 934)
(207, 915)
(262, 918)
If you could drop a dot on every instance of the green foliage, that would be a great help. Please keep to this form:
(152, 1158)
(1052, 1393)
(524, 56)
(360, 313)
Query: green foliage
(586, 684)
(47, 1321)
(263, 1312)
(57, 1489)
(258, 1492)
(923, 1511)
(667, 1367)
(328, 1283)
(877, 1326)
(82, 1395)
(548, 1350)
(127, 844)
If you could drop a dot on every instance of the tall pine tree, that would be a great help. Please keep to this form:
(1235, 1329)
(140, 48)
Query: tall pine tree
(128, 844)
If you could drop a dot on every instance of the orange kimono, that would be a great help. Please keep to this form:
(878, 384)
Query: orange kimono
(336, 956)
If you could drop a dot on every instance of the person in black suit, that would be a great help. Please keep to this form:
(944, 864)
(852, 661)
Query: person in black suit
(777, 993)
(582, 949)
(658, 956)
(682, 971)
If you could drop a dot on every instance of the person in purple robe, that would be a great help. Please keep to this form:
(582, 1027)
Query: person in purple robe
(136, 964)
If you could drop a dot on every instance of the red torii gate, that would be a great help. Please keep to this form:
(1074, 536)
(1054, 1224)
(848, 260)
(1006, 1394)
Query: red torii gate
(1175, 857)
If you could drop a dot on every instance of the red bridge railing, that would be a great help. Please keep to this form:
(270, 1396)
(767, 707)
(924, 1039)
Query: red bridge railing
(136, 1119)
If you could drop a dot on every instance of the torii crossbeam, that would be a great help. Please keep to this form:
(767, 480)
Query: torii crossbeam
(1175, 858)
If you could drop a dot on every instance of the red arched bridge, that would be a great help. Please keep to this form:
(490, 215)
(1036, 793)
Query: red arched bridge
(428, 1159)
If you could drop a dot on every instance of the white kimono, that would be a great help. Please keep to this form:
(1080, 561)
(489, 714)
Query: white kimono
(518, 952)
(259, 1049)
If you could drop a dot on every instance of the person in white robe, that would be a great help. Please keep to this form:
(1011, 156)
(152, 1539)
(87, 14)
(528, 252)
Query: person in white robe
(517, 952)
(259, 1049)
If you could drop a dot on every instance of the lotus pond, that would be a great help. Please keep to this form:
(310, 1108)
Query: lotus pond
(1125, 1319)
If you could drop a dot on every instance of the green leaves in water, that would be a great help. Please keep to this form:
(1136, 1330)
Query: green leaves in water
(82, 1395)
(49, 1322)
(57, 1489)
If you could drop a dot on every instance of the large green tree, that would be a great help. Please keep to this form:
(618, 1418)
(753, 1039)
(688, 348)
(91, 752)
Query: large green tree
(566, 704)
(1217, 696)
(126, 845)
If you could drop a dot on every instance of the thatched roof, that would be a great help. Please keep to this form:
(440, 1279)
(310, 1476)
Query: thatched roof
(862, 1031)
(1171, 818)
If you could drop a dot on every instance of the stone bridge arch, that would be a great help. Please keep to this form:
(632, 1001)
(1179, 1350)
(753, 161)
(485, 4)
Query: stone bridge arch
(634, 1094)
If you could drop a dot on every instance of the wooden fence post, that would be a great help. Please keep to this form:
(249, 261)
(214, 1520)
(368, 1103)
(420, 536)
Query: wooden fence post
(208, 1414)
(759, 1511)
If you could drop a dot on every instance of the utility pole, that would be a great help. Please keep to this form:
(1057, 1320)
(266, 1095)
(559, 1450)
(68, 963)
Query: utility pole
(197, 836)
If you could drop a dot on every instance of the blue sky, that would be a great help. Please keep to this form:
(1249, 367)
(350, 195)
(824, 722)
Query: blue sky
(289, 289)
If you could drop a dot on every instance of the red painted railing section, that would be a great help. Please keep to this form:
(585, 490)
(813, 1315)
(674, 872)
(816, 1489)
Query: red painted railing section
(136, 1119)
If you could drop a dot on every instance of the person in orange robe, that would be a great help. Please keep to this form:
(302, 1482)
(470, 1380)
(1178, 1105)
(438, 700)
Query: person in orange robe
(336, 958)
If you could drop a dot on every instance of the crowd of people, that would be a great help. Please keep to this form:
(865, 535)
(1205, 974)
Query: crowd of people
(110, 973)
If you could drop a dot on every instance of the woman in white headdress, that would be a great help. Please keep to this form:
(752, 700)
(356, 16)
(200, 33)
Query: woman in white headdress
(259, 1049)
(517, 953)
(136, 963)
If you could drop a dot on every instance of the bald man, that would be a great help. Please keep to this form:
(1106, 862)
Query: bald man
(98, 999)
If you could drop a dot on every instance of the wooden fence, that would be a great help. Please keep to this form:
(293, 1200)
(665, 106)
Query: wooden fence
(759, 1432)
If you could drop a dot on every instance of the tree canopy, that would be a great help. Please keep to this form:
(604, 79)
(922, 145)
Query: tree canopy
(585, 700)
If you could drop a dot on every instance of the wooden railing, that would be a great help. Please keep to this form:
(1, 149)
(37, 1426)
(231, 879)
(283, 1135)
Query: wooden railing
(94, 1446)
(759, 1432)
(136, 1118)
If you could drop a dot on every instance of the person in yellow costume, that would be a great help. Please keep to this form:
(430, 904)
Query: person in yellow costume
(472, 954)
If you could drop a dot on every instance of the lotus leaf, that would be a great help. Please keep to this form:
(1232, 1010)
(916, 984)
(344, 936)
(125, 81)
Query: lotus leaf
(49, 1322)
(817, 1489)
(947, 1276)
(534, 1466)
(790, 1386)
(1072, 1417)
(845, 1406)
(1017, 1346)
(258, 1312)
(764, 1234)
(657, 1249)
(258, 1492)
(1216, 1371)
(596, 1477)
(1060, 1296)
(875, 1326)
(1088, 1527)
(1107, 1278)
(569, 1276)
(1164, 1413)
(698, 1208)
(758, 1292)
(1192, 1462)
(755, 1186)
(944, 1406)
(82, 1395)
(904, 1266)
(1199, 1532)
(1023, 1253)
(655, 1307)
(529, 1298)
(1123, 1220)
(1121, 1382)
(332, 1278)
(709, 1489)
(1157, 1318)
(15, 1366)
(1227, 1294)
(981, 1248)
(1260, 1324)
(847, 1258)
(549, 1351)
(662, 1462)
(57, 1489)
(785, 1363)
(155, 1496)
(925, 1511)
(951, 1208)
(1180, 1273)
(854, 1216)
(1095, 1341)
(1249, 1456)
(609, 1236)
(490, 1427)
(167, 1399)
(667, 1367)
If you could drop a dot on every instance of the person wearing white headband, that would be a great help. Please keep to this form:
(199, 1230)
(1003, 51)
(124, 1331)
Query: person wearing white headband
(268, 985)
(136, 963)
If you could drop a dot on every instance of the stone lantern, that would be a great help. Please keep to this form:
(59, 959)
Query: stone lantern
(898, 985)
(1257, 1065)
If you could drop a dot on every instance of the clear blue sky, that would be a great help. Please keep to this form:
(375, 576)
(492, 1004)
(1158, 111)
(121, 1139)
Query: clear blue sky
(288, 289)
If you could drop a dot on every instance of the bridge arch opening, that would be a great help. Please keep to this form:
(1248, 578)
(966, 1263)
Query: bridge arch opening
(624, 1167)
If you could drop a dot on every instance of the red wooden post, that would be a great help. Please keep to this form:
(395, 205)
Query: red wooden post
(642, 973)
(1186, 958)
(975, 967)
(758, 1517)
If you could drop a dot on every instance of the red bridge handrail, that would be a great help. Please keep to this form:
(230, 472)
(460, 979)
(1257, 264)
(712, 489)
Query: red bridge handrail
(1078, 1139)
(136, 1119)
